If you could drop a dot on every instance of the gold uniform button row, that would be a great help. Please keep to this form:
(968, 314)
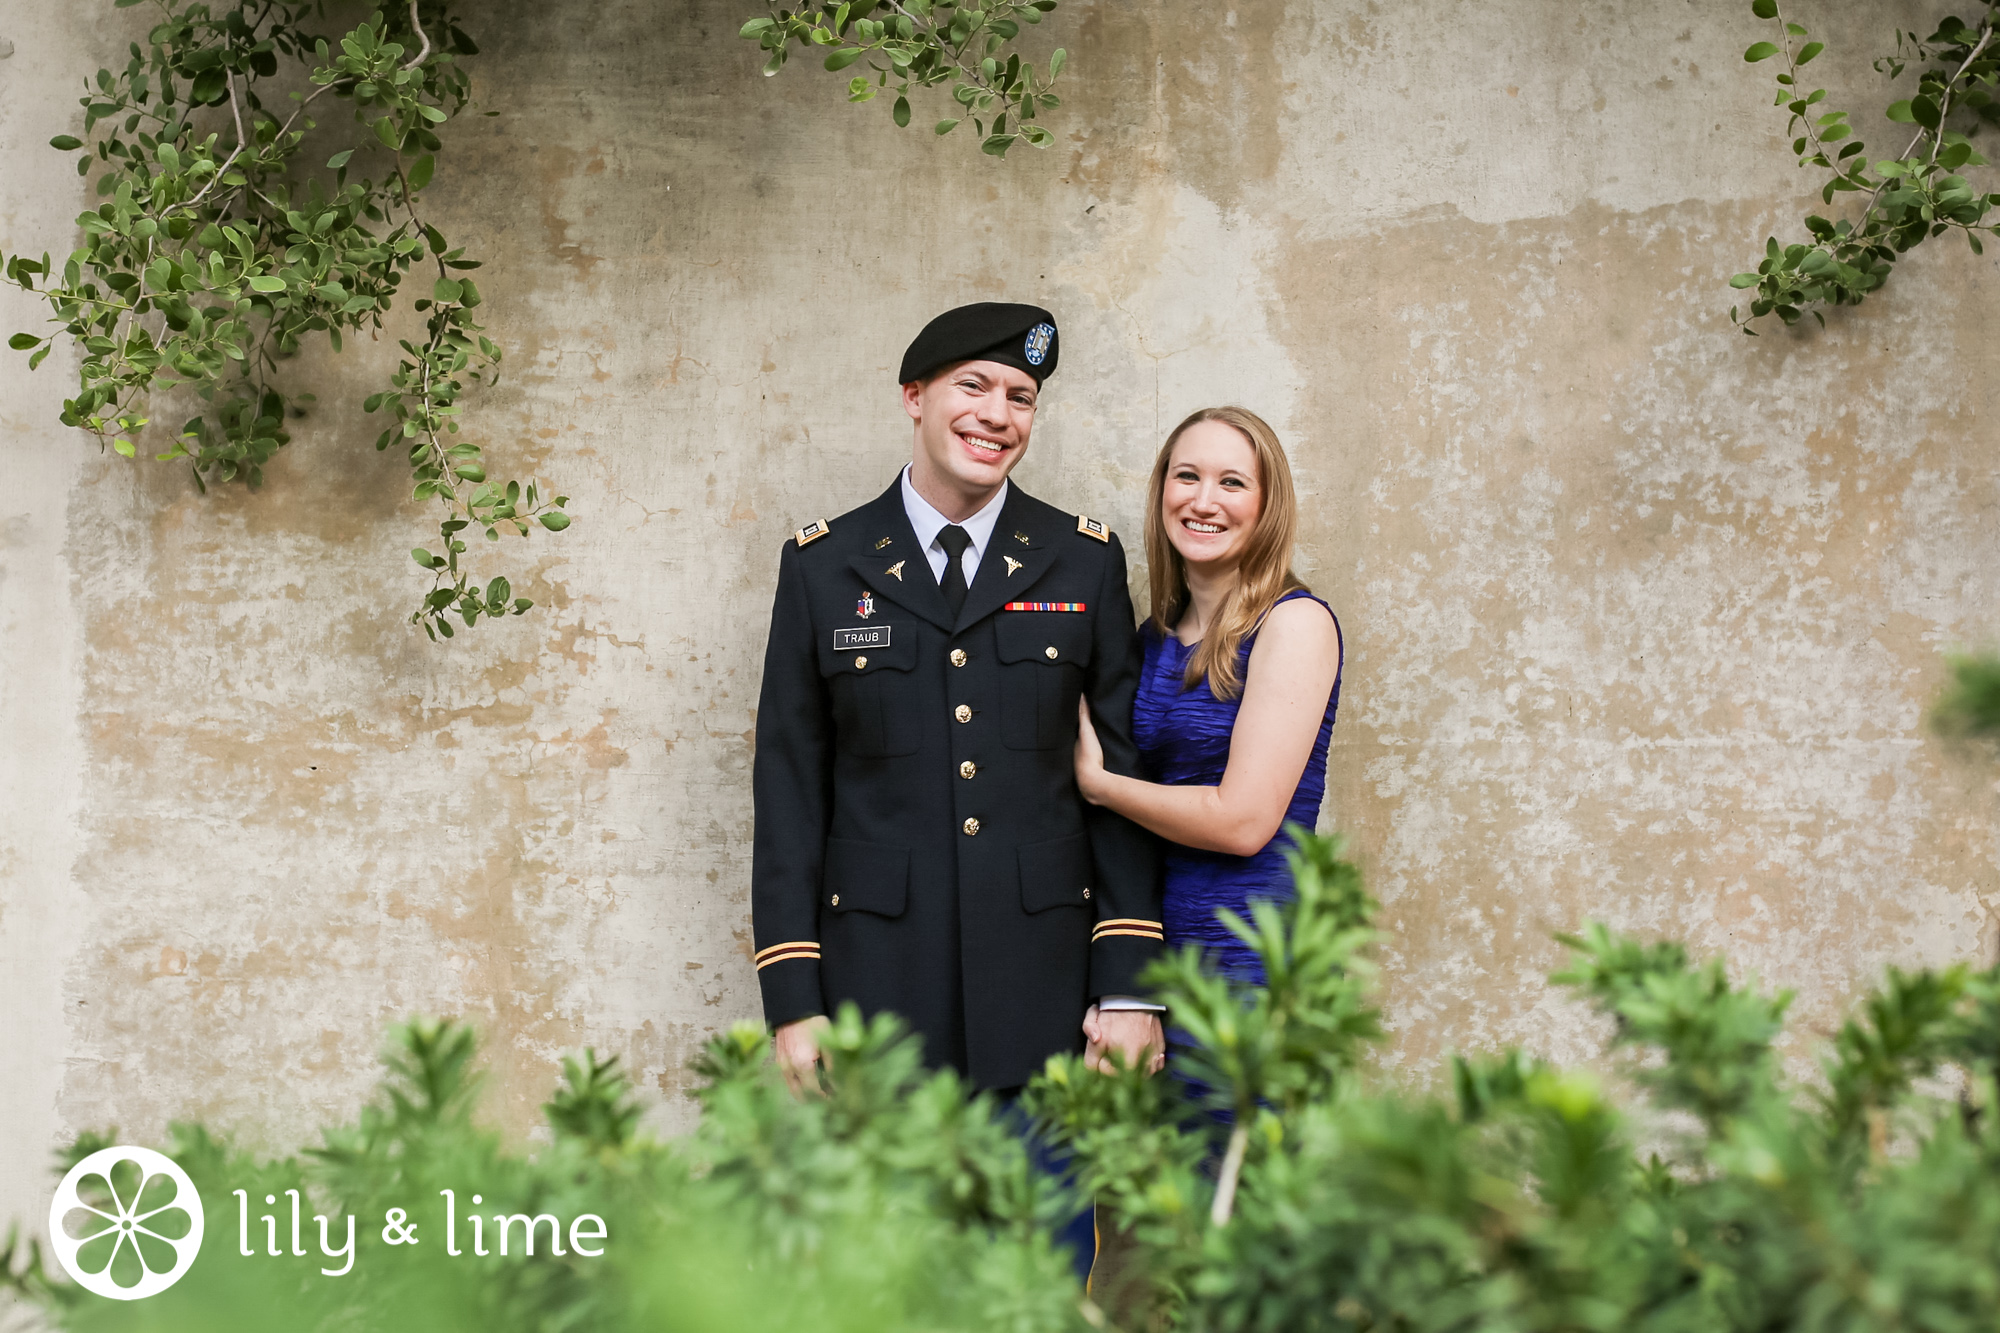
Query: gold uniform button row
(963, 712)
(972, 828)
(958, 657)
(967, 769)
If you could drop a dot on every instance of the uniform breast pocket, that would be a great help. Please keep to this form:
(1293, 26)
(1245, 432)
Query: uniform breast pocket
(874, 711)
(1042, 655)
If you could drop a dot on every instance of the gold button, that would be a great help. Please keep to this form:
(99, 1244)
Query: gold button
(967, 769)
(962, 713)
(1050, 652)
(860, 664)
(958, 657)
(971, 828)
(1086, 893)
(836, 900)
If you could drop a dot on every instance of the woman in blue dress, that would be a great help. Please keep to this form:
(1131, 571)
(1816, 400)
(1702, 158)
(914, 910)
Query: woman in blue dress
(1242, 676)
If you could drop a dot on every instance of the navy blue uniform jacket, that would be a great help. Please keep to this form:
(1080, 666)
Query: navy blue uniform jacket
(921, 846)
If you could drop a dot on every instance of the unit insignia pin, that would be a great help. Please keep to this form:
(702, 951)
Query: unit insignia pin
(866, 606)
(1021, 537)
(896, 570)
(884, 542)
(1012, 564)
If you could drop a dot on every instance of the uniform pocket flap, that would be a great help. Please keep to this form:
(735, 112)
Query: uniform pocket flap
(862, 650)
(1056, 873)
(1054, 638)
(866, 877)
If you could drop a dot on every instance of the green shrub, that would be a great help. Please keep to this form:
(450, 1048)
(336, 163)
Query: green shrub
(1285, 1192)
(897, 1202)
(1519, 1203)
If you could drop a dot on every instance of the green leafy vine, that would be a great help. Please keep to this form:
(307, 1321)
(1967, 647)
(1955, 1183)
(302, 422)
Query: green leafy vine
(923, 44)
(217, 252)
(1913, 197)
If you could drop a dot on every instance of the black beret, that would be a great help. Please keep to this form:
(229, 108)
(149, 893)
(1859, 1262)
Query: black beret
(1022, 336)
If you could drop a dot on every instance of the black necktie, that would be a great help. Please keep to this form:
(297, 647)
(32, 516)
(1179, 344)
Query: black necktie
(954, 539)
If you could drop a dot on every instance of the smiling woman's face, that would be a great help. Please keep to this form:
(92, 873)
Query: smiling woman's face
(1211, 499)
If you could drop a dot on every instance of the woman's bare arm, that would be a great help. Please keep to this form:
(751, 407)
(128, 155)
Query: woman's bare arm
(1291, 673)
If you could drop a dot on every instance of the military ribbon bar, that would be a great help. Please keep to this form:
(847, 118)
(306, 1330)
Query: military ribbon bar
(1043, 606)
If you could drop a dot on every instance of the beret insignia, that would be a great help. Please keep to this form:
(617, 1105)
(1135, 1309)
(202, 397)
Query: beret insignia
(1091, 527)
(811, 532)
(1037, 346)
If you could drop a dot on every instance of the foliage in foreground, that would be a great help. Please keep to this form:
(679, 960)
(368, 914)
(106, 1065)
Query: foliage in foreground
(219, 251)
(1970, 706)
(1278, 1190)
(1913, 197)
(1519, 1202)
(895, 1203)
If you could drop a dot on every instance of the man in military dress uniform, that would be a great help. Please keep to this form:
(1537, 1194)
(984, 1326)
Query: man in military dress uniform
(920, 843)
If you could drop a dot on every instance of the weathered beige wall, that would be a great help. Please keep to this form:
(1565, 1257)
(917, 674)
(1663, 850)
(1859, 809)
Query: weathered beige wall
(1642, 615)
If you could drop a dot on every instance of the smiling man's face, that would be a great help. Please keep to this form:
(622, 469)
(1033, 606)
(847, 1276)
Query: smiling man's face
(973, 421)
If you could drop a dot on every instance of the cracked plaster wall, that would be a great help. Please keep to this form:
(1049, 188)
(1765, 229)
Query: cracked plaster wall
(1642, 615)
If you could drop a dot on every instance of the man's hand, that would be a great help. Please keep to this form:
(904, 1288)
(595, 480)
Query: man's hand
(797, 1047)
(1135, 1034)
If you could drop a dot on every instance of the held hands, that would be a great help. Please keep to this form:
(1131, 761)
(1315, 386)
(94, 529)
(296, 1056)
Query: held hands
(1089, 760)
(1135, 1034)
(797, 1048)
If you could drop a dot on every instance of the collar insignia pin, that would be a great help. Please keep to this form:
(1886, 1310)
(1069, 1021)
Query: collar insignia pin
(866, 606)
(1021, 537)
(884, 542)
(896, 571)
(1012, 564)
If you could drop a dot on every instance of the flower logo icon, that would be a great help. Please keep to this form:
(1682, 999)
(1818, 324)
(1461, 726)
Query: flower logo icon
(126, 1223)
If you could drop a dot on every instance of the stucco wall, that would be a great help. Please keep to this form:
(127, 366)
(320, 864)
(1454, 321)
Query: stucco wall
(1642, 615)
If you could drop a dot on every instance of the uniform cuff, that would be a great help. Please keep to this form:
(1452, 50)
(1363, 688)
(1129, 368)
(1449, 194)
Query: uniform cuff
(788, 976)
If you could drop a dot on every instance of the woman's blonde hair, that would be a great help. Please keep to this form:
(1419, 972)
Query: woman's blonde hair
(1263, 576)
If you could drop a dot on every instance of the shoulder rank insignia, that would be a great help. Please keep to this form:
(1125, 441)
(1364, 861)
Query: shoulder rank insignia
(811, 532)
(1089, 527)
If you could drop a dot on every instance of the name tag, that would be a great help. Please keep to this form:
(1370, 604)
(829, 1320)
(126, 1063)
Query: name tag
(869, 636)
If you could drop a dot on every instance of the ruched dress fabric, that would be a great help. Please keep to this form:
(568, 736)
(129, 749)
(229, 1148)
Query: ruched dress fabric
(1183, 738)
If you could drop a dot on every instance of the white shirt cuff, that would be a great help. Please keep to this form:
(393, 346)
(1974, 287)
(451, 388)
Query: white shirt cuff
(1109, 1002)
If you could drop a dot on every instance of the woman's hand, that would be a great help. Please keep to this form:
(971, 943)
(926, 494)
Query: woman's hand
(1089, 756)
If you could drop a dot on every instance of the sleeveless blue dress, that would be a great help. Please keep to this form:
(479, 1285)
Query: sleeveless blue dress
(1183, 737)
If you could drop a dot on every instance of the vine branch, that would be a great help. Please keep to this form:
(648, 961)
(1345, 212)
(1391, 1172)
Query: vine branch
(417, 24)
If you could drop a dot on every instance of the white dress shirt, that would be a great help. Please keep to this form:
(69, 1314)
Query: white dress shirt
(927, 523)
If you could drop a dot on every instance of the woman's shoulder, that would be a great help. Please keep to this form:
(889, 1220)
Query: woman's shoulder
(1299, 615)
